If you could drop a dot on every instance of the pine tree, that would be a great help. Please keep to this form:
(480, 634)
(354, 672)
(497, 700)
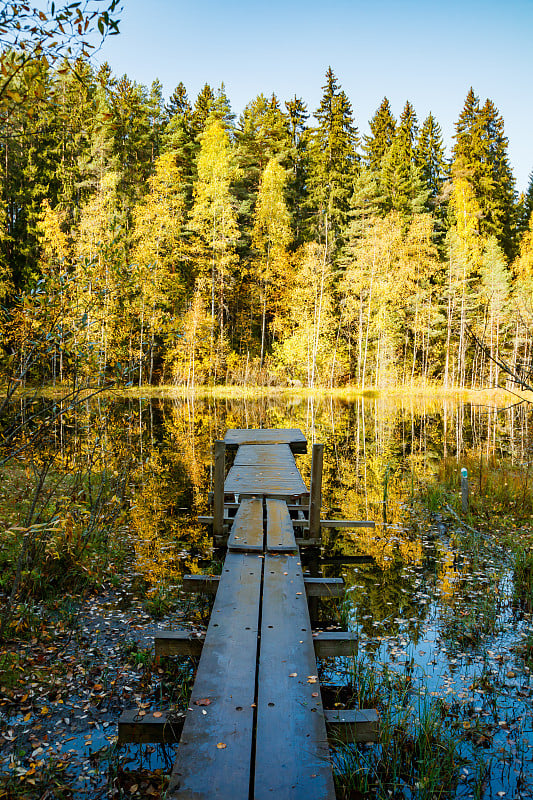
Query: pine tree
(383, 129)
(178, 103)
(429, 157)
(297, 162)
(202, 108)
(333, 161)
(480, 155)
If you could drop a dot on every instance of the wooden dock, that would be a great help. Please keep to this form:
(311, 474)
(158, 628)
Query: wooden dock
(255, 726)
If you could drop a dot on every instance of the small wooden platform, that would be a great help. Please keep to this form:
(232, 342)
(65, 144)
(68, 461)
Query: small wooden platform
(292, 436)
(266, 470)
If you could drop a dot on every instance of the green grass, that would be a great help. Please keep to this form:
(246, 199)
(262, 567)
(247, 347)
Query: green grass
(416, 755)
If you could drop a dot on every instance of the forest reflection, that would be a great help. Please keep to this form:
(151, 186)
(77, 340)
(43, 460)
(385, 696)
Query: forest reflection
(384, 461)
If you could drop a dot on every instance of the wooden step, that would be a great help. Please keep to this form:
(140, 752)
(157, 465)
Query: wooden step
(352, 725)
(314, 587)
(145, 728)
(342, 726)
(327, 644)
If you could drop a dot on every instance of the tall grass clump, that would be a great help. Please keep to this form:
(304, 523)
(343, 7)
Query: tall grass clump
(416, 754)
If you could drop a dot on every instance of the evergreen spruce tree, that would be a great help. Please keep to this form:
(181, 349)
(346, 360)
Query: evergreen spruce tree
(383, 129)
(333, 161)
(202, 108)
(402, 188)
(528, 200)
(407, 133)
(297, 163)
(480, 155)
(365, 205)
(429, 157)
(221, 109)
(261, 134)
(178, 103)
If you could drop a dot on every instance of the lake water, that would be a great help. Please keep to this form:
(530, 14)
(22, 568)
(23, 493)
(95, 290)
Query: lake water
(441, 632)
(436, 609)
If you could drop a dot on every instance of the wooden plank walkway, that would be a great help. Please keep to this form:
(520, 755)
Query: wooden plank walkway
(255, 726)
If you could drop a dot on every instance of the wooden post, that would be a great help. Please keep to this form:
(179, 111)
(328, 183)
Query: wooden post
(464, 489)
(315, 503)
(218, 493)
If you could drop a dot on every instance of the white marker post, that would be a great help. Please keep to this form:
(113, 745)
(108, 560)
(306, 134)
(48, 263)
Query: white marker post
(464, 489)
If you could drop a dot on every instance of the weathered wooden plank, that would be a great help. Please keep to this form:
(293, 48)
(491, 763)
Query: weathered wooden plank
(352, 725)
(294, 765)
(200, 583)
(324, 587)
(308, 542)
(347, 523)
(148, 729)
(315, 502)
(280, 532)
(178, 643)
(268, 455)
(266, 481)
(315, 587)
(215, 750)
(291, 436)
(334, 643)
(247, 530)
(327, 644)
(218, 486)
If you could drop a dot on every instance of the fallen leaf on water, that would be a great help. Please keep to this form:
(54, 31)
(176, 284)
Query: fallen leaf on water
(221, 746)
(314, 694)
(205, 701)
(293, 674)
(158, 714)
(312, 678)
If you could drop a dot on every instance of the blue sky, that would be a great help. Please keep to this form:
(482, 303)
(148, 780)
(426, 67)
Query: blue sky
(427, 52)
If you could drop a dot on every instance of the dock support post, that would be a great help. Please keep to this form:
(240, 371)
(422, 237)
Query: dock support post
(315, 501)
(218, 489)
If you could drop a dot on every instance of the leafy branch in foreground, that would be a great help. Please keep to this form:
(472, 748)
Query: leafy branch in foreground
(29, 34)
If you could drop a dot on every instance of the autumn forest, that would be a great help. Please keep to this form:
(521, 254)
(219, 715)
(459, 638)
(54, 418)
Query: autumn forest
(169, 242)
